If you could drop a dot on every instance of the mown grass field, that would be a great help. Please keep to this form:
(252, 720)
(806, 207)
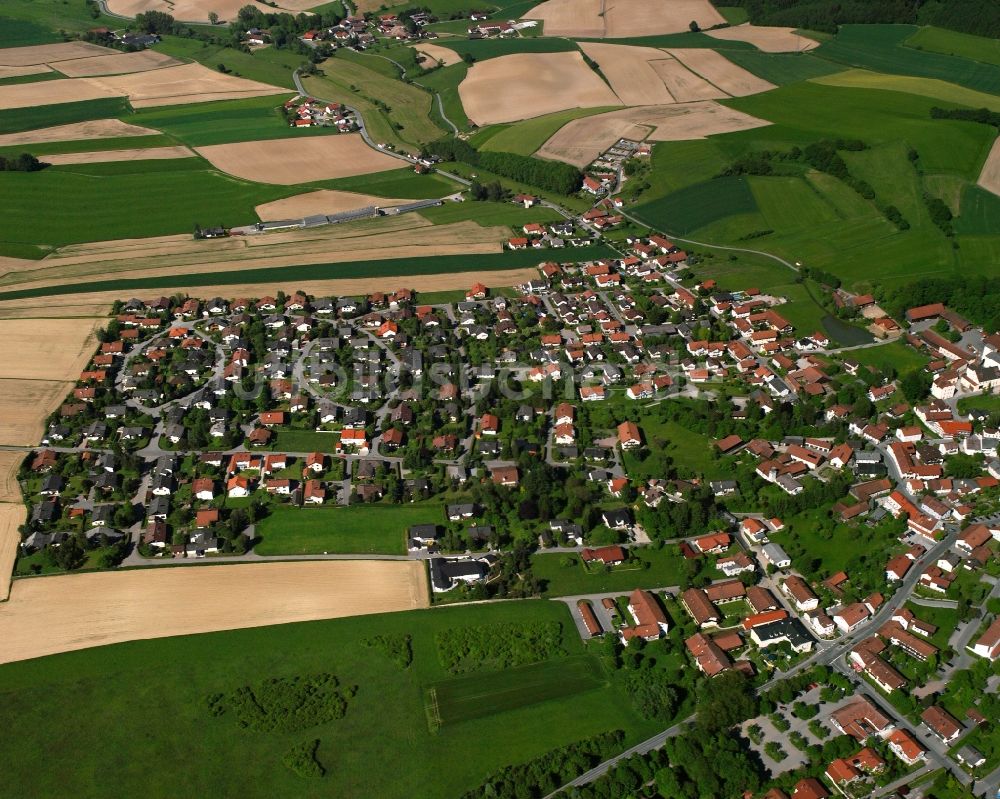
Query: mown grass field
(483, 49)
(525, 137)
(782, 68)
(267, 65)
(478, 696)
(15, 120)
(60, 205)
(487, 213)
(130, 742)
(27, 22)
(926, 87)
(964, 45)
(396, 267)
(397, 184)
(896, 354)
(694, 207)
(445, 82)
(357, 529)
(89, 145)
(881, 48)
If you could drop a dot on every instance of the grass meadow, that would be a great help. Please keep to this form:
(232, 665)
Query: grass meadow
(953, 43)
(566, 575)
(477, 696)
(527, 136)
(357, 529)
(15, 120)
(136, 708)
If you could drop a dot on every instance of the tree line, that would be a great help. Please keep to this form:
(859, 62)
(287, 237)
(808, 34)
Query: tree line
(25, 162)
(980, 17)
(548, 175)
(976, 297)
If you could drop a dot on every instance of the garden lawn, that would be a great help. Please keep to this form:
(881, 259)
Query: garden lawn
(358, 529)
(565, 575)
(129, 742)
(689, 450)
(987, 402)
(945, 619)
(305, 441)
(897, 354)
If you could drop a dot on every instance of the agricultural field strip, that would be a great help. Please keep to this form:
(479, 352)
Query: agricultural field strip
(459, 238)
(84, 610)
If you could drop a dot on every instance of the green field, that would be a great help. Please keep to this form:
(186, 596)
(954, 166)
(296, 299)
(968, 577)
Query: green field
(897, 354)
(487, 213)
(481, 695)
(392, 268)
(565, 575)
(940, 40)
(445, 82)
(15, 120)
(986, 402)
(925, 87)
(89, 145)
(397, 184)
(980, 212)
(22, 33)
(59, 205)
(483, 49)
(782, 68)
(130, 742)
(525, 137)
(881, 48)
(696, 206)
(223, 122)
(27, 22)
(358, 529)
(734, 15)
(269, 65)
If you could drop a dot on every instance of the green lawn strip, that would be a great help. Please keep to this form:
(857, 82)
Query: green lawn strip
(481, 695)
(145, 731)
(734, 15)
(395, 184)
(986, 402)
(38, 77)
(896, 354)
(488, 213)
(483, 49)
(651, 567)
(880, 47)
(527, 136)
(396, 268)
(305, 441)
(953, 43)
(15, 120)
(89, 145)
(358, 529)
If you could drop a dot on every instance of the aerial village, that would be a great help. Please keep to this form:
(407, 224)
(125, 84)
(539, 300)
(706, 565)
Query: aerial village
(200, 420)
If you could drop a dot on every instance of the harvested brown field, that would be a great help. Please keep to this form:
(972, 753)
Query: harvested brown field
(117, 64)
(24, 406)
(436, 53)
(720, 71)
(10, 490)
(630, 72)
(526, 85)
(198, 10)
(768, 39)
(683, 84)
(52, 92)
(324, 201)
(647, 76)
(290, 161)
(989, 178)
(53, 349)
(579, 144)
(65, 307)
(78, 611)
(187, 83)
(622, 18)
(411, 236)
(102, 156)
(77, 131)
(447, 281)
(47, 53)
(12, 516)
(17, 72)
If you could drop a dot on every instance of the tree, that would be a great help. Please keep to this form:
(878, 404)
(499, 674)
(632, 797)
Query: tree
(213, 18)
(694, 26)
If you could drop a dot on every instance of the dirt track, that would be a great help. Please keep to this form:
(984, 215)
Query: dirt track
(294, 160)
(83, 610)
(527, 85)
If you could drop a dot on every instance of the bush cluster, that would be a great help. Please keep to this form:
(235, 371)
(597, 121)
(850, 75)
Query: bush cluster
(498, 646)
